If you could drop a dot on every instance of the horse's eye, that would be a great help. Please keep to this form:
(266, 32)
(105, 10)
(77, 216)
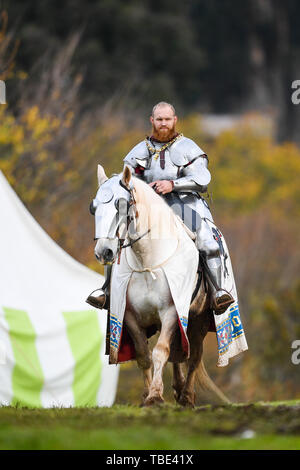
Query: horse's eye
(93, 207)
(122, 206)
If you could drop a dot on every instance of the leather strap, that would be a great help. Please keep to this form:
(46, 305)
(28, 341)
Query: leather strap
(200, 272)
(162, 159)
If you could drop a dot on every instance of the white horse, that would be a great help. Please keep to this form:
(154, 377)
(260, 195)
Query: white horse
(152, 233)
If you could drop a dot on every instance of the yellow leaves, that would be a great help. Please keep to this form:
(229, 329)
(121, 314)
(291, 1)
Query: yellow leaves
(249, 170)
(31, 194)
(30, 117)
(18, 134)
(22, 75)
(40, 127)
(42, 156)
(71, 175)
(25, 149)
(7, 122)
(34, 120)
(11, 142)
(68, 121)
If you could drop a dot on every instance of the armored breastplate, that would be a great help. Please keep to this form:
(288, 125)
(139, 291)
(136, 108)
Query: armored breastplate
(161, 168)
(167, 166)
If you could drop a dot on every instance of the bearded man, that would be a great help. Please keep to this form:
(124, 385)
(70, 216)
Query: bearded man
(176, 168)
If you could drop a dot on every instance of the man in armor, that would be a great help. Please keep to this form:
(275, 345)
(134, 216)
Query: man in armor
(176, 168)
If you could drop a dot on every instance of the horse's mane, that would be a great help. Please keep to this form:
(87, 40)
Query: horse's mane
(144, 193)
(153, 210)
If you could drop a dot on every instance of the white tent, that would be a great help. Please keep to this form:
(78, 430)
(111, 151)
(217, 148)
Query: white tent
(52, 342)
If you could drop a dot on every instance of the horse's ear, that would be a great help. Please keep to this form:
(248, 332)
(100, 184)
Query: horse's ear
(101, 175)
(126, 176)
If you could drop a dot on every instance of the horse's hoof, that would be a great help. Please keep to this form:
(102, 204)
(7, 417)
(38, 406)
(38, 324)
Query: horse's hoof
(185, 401)
(177, 396)
(186, 404)
(156, 400)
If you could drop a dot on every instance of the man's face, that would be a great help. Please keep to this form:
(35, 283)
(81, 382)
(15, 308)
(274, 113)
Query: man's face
(163, 123)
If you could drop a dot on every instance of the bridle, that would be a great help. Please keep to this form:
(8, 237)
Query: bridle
(130, 219)
(131, 216)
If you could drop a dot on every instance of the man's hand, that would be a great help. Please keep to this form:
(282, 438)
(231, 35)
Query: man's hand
(162, 186)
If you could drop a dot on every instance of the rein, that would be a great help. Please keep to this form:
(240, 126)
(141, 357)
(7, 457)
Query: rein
(132, 202)
(121, 244)
(136, 240)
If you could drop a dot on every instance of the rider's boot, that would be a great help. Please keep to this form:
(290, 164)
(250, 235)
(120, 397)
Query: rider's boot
(221, 299)
(210, 255)
(100, 298)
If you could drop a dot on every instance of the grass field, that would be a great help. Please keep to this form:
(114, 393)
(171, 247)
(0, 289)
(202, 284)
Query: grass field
(266, 426)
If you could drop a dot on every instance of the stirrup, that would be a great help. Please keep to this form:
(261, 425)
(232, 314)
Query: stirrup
(221, 304)
(101, 301)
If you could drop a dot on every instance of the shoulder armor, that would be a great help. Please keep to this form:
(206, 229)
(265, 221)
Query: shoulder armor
(139, 155)
(198, 171)
(184, 150)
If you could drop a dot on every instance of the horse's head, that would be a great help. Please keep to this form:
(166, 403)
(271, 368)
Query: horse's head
(112, 210)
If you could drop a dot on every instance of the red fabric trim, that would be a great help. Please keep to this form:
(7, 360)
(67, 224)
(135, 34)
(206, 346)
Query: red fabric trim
(126, 350)
(184, 341)
(139, 170)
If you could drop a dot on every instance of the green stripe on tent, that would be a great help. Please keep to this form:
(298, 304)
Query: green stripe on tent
(27, 375)
(85, 339)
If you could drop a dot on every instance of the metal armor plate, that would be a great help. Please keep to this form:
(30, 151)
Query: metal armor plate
(138, 155)
(183, 151)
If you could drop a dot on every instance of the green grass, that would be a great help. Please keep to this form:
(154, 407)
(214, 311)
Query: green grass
(271, 425)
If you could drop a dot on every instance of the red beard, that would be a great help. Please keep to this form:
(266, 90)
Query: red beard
(163, 135)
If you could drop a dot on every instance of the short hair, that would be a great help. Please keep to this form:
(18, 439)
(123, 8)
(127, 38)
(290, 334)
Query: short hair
(162, 103)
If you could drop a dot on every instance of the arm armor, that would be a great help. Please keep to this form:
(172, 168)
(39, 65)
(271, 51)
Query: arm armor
(193, 177)
(135, 173)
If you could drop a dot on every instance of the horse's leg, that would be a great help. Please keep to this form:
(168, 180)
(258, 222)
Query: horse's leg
(197, 329)
(178, 380)
(160, 355)
(147, 373)
(143, 356)
(187, 397)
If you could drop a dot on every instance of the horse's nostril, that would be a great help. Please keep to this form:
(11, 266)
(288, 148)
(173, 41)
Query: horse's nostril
(98, 257)
(108, 254)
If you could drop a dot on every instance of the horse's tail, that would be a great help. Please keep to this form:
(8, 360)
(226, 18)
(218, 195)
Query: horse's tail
(206, 385)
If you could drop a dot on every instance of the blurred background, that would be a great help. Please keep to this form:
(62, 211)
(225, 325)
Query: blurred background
(81, 78)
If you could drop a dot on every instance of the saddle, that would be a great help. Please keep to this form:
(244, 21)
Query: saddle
(200, 277)
(191, 234)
